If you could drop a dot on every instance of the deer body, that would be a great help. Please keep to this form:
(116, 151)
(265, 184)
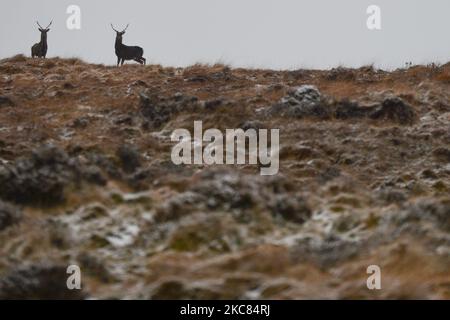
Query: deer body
(40, 49)
(124, 52)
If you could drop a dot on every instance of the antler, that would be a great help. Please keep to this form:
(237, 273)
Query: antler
(47, 26)
(113, 28)
(119, 31)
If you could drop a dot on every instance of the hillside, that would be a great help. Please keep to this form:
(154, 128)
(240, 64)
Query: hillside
(86, 178)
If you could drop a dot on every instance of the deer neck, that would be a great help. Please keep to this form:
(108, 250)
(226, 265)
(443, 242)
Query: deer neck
(44, 38)
(118, 42)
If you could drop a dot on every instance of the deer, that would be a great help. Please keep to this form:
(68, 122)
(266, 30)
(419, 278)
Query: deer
(40, 49)
(124, 52)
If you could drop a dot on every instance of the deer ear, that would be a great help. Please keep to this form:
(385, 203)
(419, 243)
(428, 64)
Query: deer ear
(40, 29)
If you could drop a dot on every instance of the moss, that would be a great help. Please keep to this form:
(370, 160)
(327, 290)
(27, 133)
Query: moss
(98, 241)
(348, 200)
(440, 186)
(372, 221)
(337, 209)
(117, 198)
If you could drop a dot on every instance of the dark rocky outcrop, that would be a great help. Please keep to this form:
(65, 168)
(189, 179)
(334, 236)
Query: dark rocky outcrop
(42, 177)
(42, 281)
(392, 109)
(158, 110)
(9, 215)
(304, 101)
(6, 102)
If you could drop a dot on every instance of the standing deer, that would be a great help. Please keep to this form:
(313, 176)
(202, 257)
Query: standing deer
(40, 49)
(124, 52)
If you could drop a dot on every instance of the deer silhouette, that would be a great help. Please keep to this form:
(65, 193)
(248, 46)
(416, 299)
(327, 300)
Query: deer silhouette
(124, 52)
(40, 49)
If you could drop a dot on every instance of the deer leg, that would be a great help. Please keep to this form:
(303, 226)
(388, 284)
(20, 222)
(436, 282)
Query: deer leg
(118, 61)
(123, 61)
(140, 60)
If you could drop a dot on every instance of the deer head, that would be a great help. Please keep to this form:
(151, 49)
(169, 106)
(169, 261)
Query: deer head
(44, 30)
(119, 34)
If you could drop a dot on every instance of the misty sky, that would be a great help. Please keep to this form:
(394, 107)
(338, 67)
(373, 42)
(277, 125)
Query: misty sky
(279, 34)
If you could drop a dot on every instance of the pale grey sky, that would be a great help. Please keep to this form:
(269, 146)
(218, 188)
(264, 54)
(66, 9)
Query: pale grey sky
(279, 34)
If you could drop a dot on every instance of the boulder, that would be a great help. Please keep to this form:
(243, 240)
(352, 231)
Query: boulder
(41, 281)
(303, 101)
(9, 215)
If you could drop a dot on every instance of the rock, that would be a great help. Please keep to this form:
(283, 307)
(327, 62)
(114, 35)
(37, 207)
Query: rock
(41, 281)
(94, 175)
(242, 195)
(60, 235)
(212, 105)
(129, 157)
(329, 174)
(394, 109)
(68, 86)
(304, 101)
(106, 163)
(95, 267)
(307, 93)
(6, 102)
(442, 154)
(325, 252)
(197, 78)
(227, 190)
(347, 109)
(153, 112)
(251, 124)
(40, 178)
(177, 289)
(178, 206)
(345, 222)
(169, 289)
(428, 210)
(390, 195)
(211, 233)
(159, 110)
(440, 186)
(81, 123)
(429, 174)
(9, 215)
(340, 73)
(139, 83)
(291, 208)
(125, 119)
(142, 178)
